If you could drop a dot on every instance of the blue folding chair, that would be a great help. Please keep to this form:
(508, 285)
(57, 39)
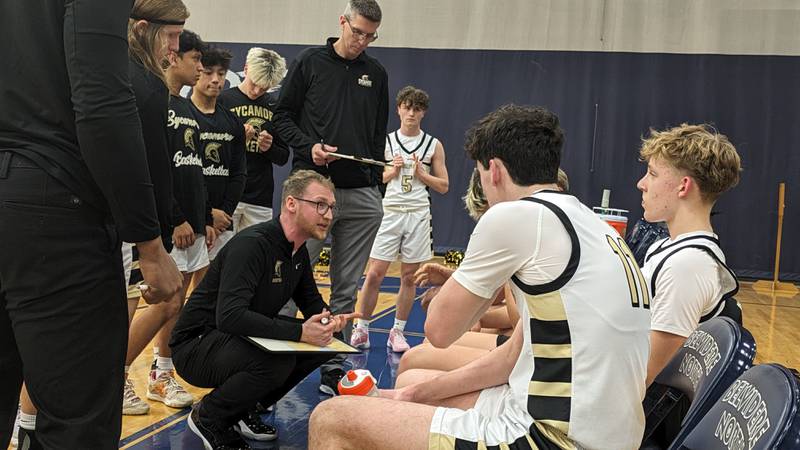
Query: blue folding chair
(759, 411)
(712, 357)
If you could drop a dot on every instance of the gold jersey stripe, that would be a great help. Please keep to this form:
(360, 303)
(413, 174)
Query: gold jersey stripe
(548, 306)
(550, 389)
(552, 350)
(439, 441)
(556, 432)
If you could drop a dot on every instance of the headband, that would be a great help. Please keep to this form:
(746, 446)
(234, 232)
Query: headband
(158, 21)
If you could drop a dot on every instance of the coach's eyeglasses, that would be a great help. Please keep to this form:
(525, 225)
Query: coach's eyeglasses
(362, 35)
(322, 207)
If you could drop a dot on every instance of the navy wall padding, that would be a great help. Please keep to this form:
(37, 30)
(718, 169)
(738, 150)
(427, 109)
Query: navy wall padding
(606, 103)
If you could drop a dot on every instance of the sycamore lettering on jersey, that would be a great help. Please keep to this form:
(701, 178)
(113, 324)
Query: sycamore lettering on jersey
(210, 136)
(252, 111)
(174, 121)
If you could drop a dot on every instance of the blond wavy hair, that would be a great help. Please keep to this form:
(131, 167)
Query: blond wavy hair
(297, 183)
(265, 68)
(700, 152)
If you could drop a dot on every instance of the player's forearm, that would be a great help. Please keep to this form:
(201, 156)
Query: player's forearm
(438, 184)
(492, 369)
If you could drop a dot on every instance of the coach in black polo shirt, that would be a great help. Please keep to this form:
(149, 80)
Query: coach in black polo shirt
(251, 279)
(338, 95)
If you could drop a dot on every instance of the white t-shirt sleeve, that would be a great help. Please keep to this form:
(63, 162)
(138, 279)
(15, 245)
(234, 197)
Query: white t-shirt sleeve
(519, 237)
(687, 287)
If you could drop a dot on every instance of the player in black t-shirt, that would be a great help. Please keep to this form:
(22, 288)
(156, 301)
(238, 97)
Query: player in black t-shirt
(253, 102)
(222, 141)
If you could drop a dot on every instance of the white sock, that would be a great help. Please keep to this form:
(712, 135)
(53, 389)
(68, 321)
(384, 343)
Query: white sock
(127, 369)
(163, 365)
(400, 324)
(155, 352)
(363, 324)
(27, 421)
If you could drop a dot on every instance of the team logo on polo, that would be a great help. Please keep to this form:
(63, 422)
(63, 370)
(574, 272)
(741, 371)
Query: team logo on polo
(276, 275)
(212, 152)
(188, 138)
(365, 81)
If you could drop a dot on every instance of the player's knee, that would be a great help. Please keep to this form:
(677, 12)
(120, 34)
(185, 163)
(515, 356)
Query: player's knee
(325, 418)
(407, 279)
(410, 359)
(374, 276)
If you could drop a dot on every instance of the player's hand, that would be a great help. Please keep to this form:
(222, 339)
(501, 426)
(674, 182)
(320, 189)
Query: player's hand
(315, 333)
(403, 394)
(432, 274)
(264, 141)
(211, 236)
(249, 132)
(183, 236)
(342, 320)
(221, 219)
(427, 296)
(160, 274)
(396, 166)
(320, 154)
(418, 170)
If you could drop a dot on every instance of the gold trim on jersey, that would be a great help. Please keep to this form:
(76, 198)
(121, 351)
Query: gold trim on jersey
(552, 350)
(548, 306)
(550, 389)
(440, 441)
(556, 432)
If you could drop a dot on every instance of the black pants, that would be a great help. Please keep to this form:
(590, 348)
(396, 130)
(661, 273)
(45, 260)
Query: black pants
(63, 315)
(240, 373)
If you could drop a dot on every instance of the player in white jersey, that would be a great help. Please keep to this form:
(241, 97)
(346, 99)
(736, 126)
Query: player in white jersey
(418, 163)
(688, 168)
(573, 373)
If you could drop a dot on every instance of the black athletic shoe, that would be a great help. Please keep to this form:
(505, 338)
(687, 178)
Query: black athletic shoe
(214, 438)
(329, 381)
(252, 427)
(261, 409)
(26, 440)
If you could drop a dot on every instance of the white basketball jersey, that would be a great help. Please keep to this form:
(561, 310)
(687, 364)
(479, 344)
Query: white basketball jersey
(581, 372)
(660, 252)
(406, 192)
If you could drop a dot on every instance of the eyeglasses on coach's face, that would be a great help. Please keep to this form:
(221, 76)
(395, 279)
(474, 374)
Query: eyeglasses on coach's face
(362, 35)
(322, 207)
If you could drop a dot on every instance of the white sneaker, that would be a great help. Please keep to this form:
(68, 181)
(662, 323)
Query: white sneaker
(132, 405)
(167, 390)
(397, 342)
(360, 338)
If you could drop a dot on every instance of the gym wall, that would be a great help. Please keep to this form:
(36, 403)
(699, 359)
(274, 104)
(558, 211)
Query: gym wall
(610, 69)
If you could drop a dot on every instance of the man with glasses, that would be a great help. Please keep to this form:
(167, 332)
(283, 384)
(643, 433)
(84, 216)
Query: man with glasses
(248, 283)
(335, 98)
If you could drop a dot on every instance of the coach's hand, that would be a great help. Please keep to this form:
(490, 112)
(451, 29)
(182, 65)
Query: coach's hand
(340, 321)
(315, 333)
(320, 154)
(211, 236)
(162, 277)
(432, 274)
(183, 236)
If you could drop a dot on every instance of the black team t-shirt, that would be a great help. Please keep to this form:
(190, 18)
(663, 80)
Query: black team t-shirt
(222, 151)
(188, 183)
(257, 113)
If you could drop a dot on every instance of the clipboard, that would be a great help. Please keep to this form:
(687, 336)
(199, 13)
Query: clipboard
(358, 159)
(281, 346)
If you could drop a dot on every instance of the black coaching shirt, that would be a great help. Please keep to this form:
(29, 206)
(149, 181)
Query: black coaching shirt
(248, 283)
(343, 102)
(190, 202)
(258, 113)
(222, 151)
(66, 104)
